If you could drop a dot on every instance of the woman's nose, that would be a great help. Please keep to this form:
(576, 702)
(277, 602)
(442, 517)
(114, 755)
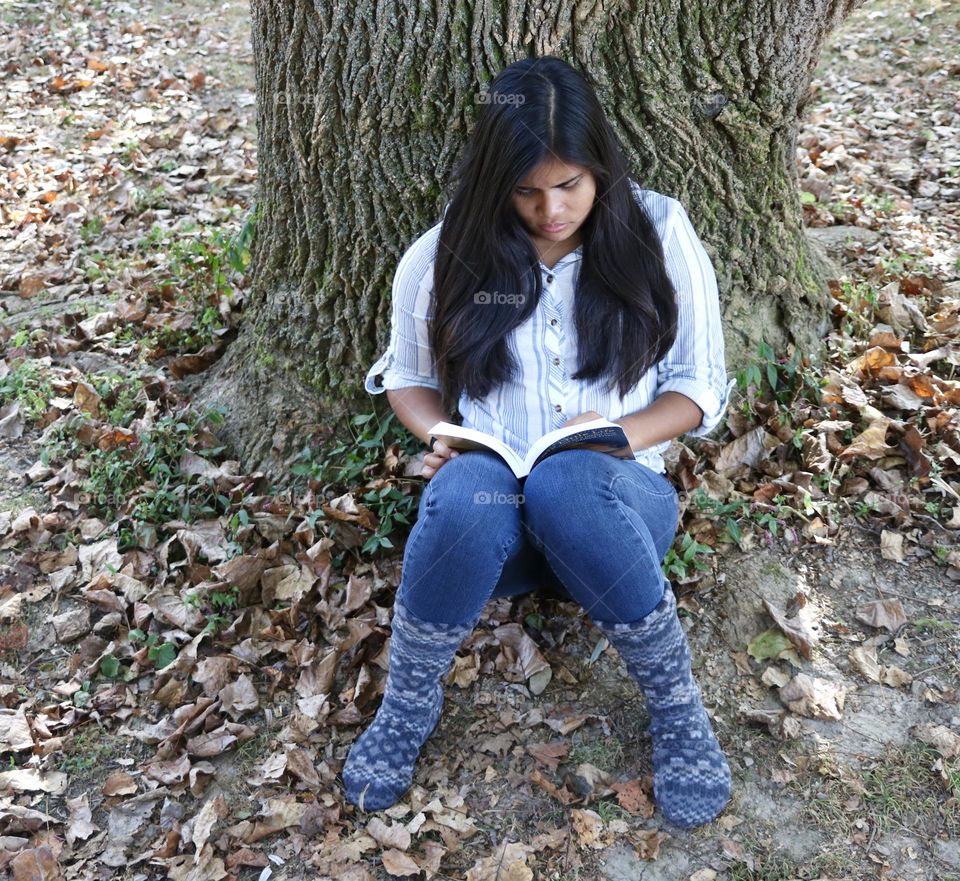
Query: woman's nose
(551, 208)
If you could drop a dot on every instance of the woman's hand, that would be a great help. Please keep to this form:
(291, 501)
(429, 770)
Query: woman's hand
(620, 453)
(583, 417)
(434, 461)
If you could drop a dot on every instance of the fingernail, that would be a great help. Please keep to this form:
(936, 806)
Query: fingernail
(454, 455)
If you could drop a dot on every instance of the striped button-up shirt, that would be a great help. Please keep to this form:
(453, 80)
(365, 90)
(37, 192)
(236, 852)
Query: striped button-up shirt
(543, 395)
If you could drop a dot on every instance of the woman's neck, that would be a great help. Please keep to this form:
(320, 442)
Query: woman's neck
(551, 253)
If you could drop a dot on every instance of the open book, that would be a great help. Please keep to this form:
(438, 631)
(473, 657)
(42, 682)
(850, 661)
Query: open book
(599, 434)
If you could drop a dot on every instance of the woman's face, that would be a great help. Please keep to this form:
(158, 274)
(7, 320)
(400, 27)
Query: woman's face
(553, 201)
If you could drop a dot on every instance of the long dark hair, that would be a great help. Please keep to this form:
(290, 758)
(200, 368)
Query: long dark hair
(625, 312)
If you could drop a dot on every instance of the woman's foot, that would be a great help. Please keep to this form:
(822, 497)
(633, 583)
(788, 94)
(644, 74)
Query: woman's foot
(381, 763)
(691, 777)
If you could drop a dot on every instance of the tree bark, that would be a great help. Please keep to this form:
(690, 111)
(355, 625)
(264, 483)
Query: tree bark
(363, 108)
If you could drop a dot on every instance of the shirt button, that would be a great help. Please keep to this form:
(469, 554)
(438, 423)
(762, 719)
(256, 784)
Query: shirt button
(556, 360)
(554, 322)
(556, 407)
(549, 279)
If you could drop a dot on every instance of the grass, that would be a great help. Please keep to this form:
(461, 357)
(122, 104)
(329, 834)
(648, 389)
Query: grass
(343, 464)
(87, 751)
(27, 383)
(140, 481)
(900, 790)
(605, 753)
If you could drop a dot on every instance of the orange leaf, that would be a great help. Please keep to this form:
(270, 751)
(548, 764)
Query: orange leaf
(632, 798)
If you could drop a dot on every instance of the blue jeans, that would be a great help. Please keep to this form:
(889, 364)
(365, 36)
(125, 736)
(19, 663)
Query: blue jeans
(583, 523)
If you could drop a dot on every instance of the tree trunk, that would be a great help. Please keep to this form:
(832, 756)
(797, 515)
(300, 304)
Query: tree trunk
(363, 108)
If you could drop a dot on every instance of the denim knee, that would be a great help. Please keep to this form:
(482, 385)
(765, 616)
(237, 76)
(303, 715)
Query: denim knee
(469, 520)
(473, 471)
(474, 493)
(556, 489)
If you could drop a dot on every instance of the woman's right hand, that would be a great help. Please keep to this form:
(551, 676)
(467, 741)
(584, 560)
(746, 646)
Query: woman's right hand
(434, 461)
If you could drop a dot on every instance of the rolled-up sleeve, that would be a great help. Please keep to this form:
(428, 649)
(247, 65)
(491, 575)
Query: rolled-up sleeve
(695, 365)
(408, 359)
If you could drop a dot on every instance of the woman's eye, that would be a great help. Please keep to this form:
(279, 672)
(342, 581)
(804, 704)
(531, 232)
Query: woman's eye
(568, 186)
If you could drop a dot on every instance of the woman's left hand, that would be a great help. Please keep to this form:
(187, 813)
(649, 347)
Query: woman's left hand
(583, 417)
(620, 452)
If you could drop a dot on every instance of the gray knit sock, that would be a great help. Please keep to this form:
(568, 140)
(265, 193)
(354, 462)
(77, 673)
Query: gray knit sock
(381, 763)
(691, 777)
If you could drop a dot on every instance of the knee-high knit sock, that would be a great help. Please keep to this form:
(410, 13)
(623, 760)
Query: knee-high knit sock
(691, 779)
(380, 766)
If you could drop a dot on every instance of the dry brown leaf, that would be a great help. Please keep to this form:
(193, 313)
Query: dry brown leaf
(549, 754)
(891, 546)
(748, 449)
(588, 827)
(941, 738)
(119, 783)
(239, 697)
(36, 864)
(15, 734)
(896, 678)
(395, 836)
(507, 863)
(646, 842)
(80, 826)
(813, 697)
(633, 798)
(213, 809)
(799, 627)
(883, 614)
(864, 660)
(396, 862)
(33, 780)
(871, 443)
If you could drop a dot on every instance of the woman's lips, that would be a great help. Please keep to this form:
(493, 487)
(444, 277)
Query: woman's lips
(556, 228)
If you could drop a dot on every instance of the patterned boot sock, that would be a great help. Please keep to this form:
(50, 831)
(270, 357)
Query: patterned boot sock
(691, 777)
(380, 766)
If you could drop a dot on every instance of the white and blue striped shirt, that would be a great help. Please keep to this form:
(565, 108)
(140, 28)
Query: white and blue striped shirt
(542, 396)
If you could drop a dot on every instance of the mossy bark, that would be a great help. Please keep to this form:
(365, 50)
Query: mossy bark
(363, 108)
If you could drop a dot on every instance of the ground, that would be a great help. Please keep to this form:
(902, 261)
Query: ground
(181, 718)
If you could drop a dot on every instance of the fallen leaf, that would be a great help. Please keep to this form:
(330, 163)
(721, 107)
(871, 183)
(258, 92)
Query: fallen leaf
(80, 826)
(507, 863)
(633, 798)
(813, 697)
(941, 738)
(799, 627)
(883, 614)
(549, 754)
(864, 660)
(396, 862)
(395, 836)
(891, 546)
(36, 864)
(589, 828)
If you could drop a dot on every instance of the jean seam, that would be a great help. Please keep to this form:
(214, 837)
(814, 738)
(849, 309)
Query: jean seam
(647, 490)
(620, 504)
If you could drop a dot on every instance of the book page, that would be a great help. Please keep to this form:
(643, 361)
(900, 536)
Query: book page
(460, 437)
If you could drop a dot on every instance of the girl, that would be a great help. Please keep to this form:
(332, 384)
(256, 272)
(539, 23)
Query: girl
(554, 290)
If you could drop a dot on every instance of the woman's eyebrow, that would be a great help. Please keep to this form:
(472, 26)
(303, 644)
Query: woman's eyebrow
(561, 184)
